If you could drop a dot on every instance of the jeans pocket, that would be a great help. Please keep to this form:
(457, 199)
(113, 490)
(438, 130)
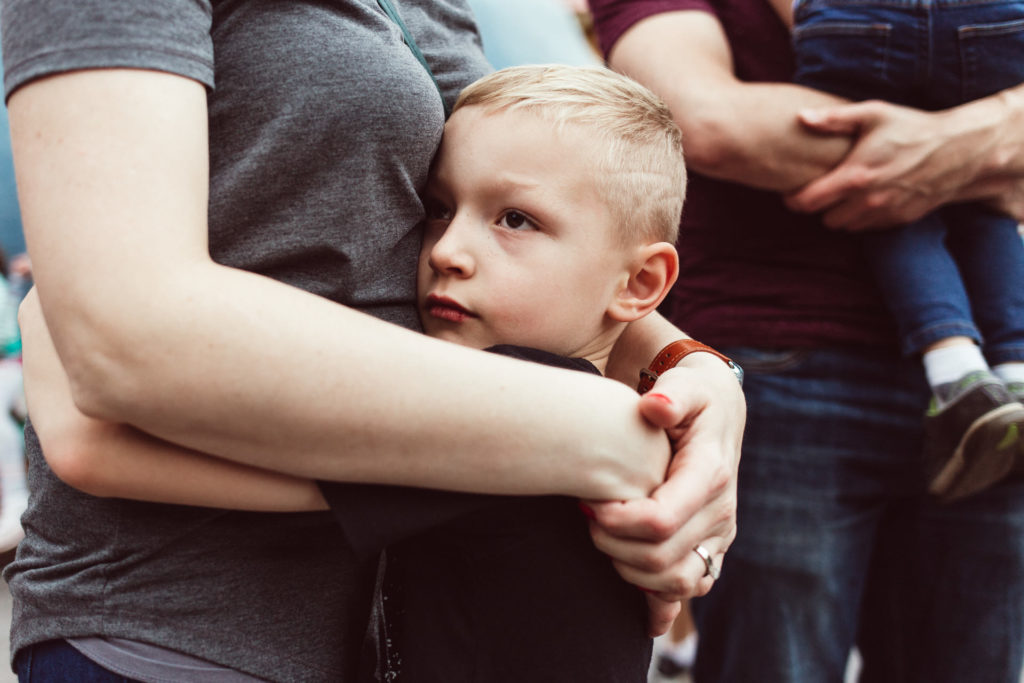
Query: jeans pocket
(992, 56)
(842, 56)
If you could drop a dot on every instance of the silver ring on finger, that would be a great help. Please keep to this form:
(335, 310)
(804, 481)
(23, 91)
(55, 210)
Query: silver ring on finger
(709, 564)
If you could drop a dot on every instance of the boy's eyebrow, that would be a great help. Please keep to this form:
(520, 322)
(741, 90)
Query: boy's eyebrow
(511, 180)
(496, 184)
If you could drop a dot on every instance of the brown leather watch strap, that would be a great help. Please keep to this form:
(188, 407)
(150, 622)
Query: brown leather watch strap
(669, 356)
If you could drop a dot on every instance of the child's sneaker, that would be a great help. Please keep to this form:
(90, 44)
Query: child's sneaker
(1016, 390)
(972, 436)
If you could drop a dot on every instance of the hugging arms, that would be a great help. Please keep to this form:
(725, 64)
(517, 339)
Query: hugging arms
(294, 383)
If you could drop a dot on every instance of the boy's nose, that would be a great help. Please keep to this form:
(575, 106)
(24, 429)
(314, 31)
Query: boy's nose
(450, 254)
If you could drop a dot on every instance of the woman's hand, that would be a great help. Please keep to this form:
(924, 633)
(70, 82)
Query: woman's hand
(651, 540)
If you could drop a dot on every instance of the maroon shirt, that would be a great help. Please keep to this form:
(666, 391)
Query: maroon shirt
(752, 272)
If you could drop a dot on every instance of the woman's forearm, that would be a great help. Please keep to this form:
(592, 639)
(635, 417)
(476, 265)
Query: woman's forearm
(638, 346)
(381, 404)
(112, 171)
(113, 460)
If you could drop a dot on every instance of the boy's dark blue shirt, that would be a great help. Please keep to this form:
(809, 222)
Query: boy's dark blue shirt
(486, 589)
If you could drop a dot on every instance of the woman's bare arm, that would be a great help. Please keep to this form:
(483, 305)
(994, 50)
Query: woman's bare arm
(116, 460)
(112, 172)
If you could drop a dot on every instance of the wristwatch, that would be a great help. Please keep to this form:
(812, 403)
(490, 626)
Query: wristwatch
(675, 352)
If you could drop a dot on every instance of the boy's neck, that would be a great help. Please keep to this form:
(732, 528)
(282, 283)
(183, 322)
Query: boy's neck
(600, 361)
(601, 350)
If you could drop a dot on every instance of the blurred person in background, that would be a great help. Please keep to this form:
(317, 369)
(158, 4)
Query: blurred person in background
(533, 32)
(839, 543)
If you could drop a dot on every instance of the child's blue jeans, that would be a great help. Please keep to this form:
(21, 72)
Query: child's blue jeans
(960, 270)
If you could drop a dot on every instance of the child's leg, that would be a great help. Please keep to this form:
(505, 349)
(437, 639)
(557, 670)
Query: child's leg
(921, 284)
(974, 423)
(990, 252)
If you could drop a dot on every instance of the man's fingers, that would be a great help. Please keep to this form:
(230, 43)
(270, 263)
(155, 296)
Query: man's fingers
(819, 194)
(840, 120)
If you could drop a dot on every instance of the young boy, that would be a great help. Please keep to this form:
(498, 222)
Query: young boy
(552, 208)
(551, 214)
(953, 279)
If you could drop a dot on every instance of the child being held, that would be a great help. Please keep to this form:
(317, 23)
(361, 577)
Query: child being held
(953, 279)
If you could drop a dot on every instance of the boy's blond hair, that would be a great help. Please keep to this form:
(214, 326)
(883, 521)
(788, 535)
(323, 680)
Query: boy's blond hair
(640, 170)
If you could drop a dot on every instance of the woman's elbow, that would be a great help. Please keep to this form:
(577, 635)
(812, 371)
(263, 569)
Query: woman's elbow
(105, 371)
(75, 459)
(99, 358)
(98, 388)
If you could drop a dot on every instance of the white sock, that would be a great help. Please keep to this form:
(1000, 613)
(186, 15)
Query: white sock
(685, 651)
(1010, 373)
(950, 363)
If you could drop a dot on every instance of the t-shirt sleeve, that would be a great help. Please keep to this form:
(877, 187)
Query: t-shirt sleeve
(612, 18)
(45, 37)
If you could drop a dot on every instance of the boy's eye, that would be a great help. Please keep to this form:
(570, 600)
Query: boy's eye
(436, 210)
(513, 220)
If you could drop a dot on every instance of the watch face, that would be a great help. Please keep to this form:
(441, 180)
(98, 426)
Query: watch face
(737, 370)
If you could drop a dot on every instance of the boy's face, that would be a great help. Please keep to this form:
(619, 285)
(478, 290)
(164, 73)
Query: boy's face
(519, 245)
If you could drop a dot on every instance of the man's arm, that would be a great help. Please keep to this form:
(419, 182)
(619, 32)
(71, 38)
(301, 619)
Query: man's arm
(733, 130)
(864, 165)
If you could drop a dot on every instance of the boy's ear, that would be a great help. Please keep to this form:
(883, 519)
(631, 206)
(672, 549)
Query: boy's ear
(653, 271)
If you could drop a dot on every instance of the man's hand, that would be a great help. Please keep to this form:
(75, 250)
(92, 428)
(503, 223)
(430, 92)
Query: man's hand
(904, 163)
(651, 540)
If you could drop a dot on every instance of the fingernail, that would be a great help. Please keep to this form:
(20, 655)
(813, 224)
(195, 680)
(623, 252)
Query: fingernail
(661, 397)
(587, 511)
(810, 115)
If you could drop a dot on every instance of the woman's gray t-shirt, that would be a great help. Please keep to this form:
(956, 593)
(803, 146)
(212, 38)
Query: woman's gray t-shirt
(322, 127)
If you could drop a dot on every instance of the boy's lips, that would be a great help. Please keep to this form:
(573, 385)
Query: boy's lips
(446, 309)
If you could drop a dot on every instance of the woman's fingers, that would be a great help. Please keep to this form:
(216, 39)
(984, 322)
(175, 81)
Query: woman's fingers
(697, 484)
(658, 557)
(662, 614)
(651, 540)
(689, 577)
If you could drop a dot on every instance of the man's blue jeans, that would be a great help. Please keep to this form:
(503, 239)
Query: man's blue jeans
(930, 54)
(839, 544)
